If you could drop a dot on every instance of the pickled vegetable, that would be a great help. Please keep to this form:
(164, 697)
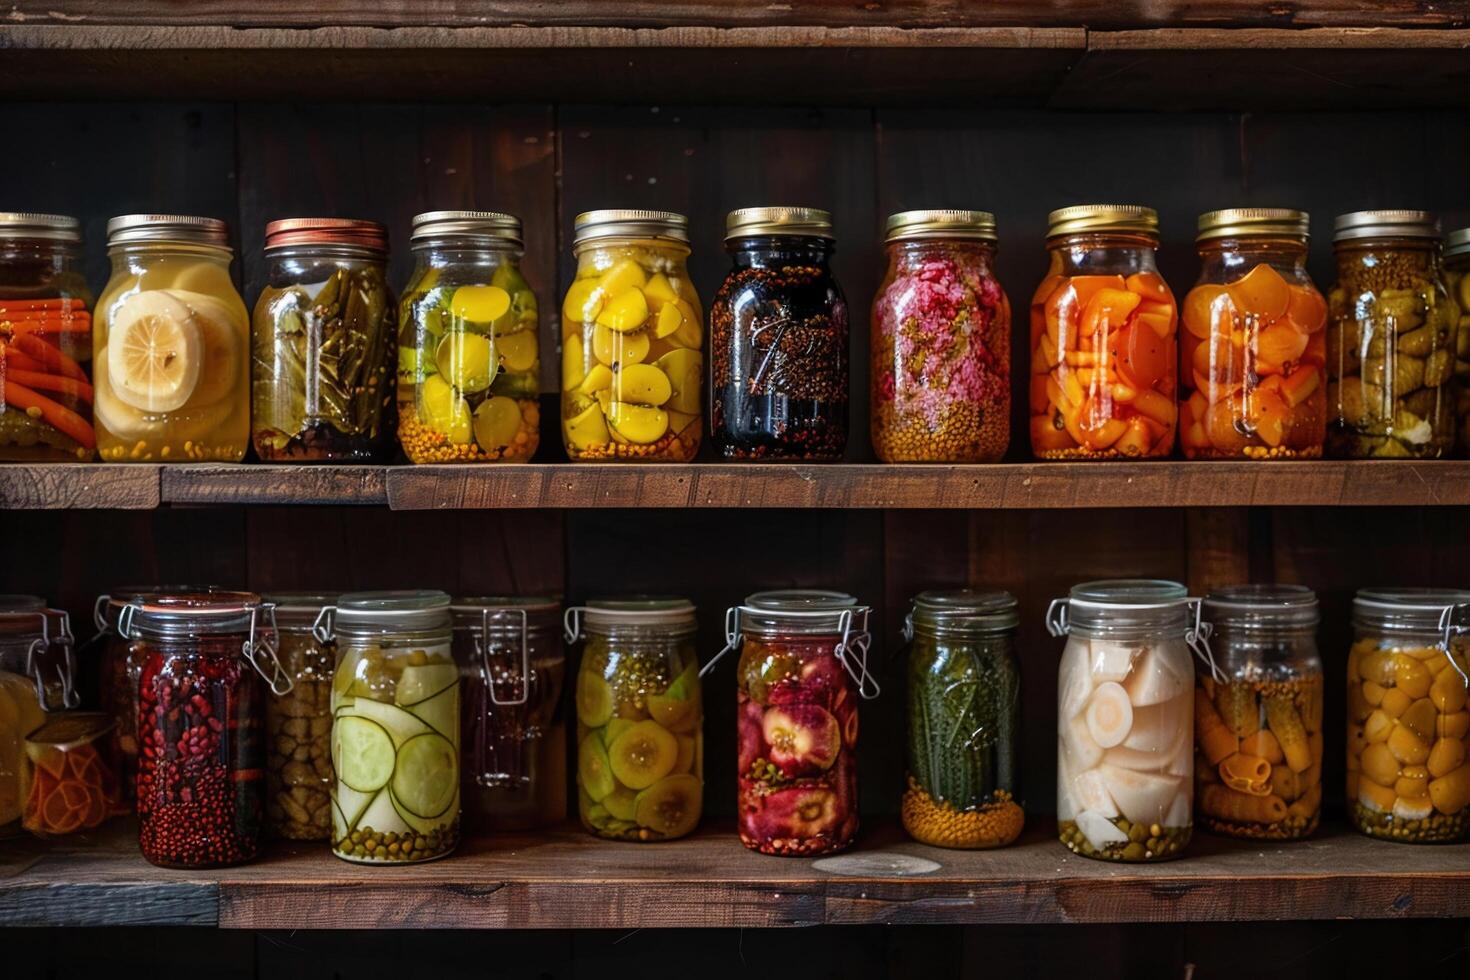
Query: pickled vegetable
(298, 729)
(67, 782)
(1457, 282)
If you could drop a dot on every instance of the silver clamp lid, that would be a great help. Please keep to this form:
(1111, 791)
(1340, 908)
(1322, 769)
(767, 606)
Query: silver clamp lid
(851, 647)
(259, 639)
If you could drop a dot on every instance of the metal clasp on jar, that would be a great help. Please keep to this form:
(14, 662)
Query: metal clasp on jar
(1454, 621)
(853, 644)
(280, 682)
(484, 649)
(65, 670)
(1197, 637)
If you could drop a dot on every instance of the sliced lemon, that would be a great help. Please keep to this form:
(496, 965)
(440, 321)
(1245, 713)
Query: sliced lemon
(220, 366)
(153, 352)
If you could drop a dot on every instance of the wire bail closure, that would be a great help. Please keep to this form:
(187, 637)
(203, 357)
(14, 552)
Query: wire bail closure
(279, 681)
(1198, 639)
(853, 644)
(324, 627)
(484, 651)
(65, 670)
(1057, 622)
(1452, 623)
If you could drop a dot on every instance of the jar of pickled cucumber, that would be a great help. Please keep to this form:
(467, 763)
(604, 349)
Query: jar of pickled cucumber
(468, 349)
(323, 343)
(1254, 347)
(1457, 280)
(298, 723)
(779, 340)
(1258, 714)
(1408, 730)
(964, 720)
(46, 324)
(1392, 340)
(171, 344)
(511, 665)
(640, 718)
(395, 728)
(1125, 719)
(1103, 339)
(632, 374)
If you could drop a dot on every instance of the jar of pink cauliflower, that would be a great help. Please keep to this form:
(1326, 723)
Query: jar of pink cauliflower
(941, 342)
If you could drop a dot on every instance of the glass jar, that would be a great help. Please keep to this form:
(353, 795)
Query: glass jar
(1125, 710)
(632, 375)
(1457, 281)
(171, 348)
(395, 733)
(201, 660)
(68, 777)
(30, 638)
(1254, 347)
(469, 359)
(511, 666)
(322, 340)
(298, 723)
(46, 326)
(1258, 714)
(964, 720)
(779, 340)
(1103, 329)
(1408, 730)
(640, 718)
(1391, 346)
(802, 669)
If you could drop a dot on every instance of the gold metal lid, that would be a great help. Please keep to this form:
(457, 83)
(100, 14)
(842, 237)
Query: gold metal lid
(33, 225)
(184, 228)
(1239, 222)
(629, 223)
(491, 227)
(943, 223)
(803, 222)
(1384, 224)
(286, 232)
(1457, 242)
(1081, 218)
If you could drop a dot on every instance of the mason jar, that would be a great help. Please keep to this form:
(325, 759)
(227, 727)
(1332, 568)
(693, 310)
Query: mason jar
(68, 779)
(298, 723)
(1457, 282)
(640, 718)
(37, 671)
(1125, 719)
(1258, 714)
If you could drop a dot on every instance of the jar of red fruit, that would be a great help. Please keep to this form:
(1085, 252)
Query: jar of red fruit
(203, 661)
(803, 666)
(941, 342)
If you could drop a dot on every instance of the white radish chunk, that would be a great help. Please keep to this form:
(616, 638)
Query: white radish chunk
(1110, 662)
(1091, 794)
(1109, 714)
(1138, 760)
(1178, 815)
(1066, 802)
(1181, 762)
(1082, 752)
(1142, 796)
(1075, 682)
(1155, 680)
(1159, 727)
(1099, 830)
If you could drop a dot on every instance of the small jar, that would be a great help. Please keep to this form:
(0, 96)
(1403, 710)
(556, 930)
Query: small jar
(640, 718)
(1258, 714)
(1392, 342)
(1125, 719)
(1408, 730)
(964, 720)
(36, 671)
(941, 342)
(1254, 344)
(46, 321)
(469, 360)
(1103, 339)
(511, 666)
(323, 343)
(395, 728)
(204, 660)
(171, 348)
(632, 375)
(779, 340)
(68, 779)
(1457, 282)
(802, 670)
(298, 723)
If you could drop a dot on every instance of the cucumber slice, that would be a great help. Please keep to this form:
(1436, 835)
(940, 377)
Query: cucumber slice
(425, 825)
(340, 830)
(364, 753)
(381, 816)
(351, 803)
(421, 683)
(401, 724)
(441, 713)
(427, 775)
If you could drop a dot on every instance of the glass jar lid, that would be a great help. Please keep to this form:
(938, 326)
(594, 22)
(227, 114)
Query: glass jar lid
(368, 235)
(1417, 609)
(490, 228)
(629, 223)
(505, 613)
(965, 610)
(1384, 224)
(638, 611)
(31, 225)
(300, 610)
(808, 611)
(1262, 607)
(189, 614)
(108, 609)
(407, 609)
(1250, 222)
(187, 229)
(34, 623)
(1120, 606)
(940, 224)
(763, 221)
(1457, 243)
(1080, 218)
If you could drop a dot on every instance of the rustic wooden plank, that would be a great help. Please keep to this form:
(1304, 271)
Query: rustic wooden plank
(253, 483)
(56, 486)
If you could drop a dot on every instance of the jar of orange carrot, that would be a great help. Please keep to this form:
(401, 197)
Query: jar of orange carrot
(1103, 348)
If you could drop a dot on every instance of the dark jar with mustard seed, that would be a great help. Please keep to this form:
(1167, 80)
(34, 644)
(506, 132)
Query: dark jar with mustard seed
(779, 340)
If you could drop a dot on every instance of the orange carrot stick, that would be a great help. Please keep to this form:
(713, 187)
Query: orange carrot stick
(54, 360)
(50, 325)
(50, 382)
(12, 358)
(61, 417)
(56, 303)
(26, 316)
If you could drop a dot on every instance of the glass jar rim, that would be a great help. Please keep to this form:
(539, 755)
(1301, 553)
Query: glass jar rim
(1117, 607)
(806, 611)
(300, 610)
(175, 614)
(476, 613)
(1405, 608)
(977, 610)
(33, 624)
(602, 613)
(1261, 606)
(111, 604)
(395, 609)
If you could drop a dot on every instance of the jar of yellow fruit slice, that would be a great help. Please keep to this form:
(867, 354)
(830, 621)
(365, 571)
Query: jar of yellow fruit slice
(632, 333)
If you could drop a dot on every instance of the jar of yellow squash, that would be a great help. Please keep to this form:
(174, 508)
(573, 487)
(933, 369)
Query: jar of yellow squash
(632, 332)
(170, 344)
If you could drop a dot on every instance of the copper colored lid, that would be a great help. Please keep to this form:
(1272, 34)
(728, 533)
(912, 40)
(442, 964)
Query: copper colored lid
(326, 231)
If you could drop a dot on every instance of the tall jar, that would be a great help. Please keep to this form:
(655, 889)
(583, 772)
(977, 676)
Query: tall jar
(1408, 730)
(395, 729)
(46, 331)
(171, 345)
(802, 670)
(1391, 346)
(964, 720)
(941, 342)
(35, 673)
(469, 358)
(1258, 714)
(1125, 719)
(1254, 348)
(204, 660)
(298, 723)
(640, 718)
(323, 343)
(632, 372)
(779, 340)
(1103, 338)
(1457, 281)
(511, 666)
